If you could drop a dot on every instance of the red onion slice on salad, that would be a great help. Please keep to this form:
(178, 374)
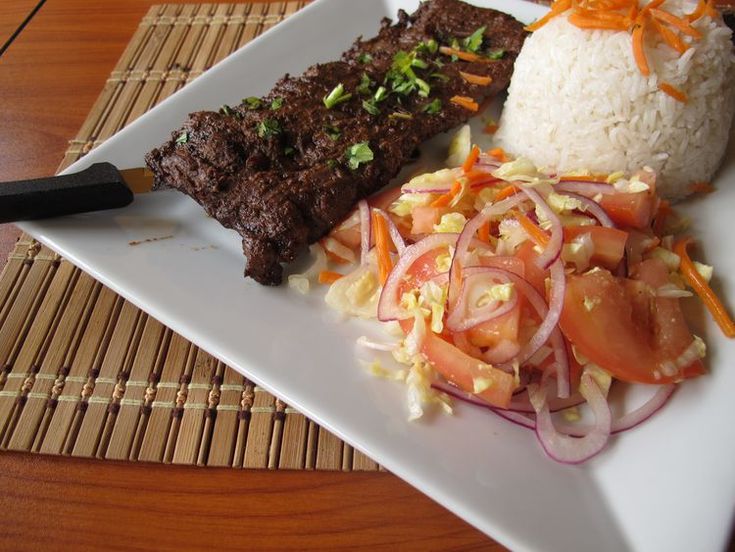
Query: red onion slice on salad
(553, 249)
(585, 188)
(593, 208)
(465, 314)
(566, 449)
(365, 230)
(388, 305)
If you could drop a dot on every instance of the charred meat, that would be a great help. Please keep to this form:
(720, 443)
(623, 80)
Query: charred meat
(284, 169)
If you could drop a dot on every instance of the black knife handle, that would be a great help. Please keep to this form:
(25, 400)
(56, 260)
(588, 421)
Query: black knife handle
(98, 187)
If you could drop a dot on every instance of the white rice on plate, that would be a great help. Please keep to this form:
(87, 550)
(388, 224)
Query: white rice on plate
(578, 102)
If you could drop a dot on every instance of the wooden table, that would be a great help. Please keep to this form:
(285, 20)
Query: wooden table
(50, 76)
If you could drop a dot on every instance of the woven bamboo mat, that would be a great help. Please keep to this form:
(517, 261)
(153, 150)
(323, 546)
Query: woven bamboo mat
(84, 372)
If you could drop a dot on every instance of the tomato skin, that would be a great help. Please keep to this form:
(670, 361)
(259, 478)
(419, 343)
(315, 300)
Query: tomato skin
(424, 218)
(461, 369)
(609, 243)
(628, 331)
(630, 210)
(535, 275)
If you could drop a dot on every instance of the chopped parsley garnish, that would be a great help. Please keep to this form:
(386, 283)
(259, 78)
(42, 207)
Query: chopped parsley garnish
(267, 128)
(380, 94)
(433, 107)
(497, 53)
(428, 47)
(400, 115)
(454, 43)
(424, 87)
(288, 151)
(365, 83)
(370, 107)
(473, 42)
(439, 76)
(364, 58)
(183, 138)
(225, 110)
(358, 154)
(332, 163)
(419, 63)
(252, 102)
(336, 96)
(276, 104)
(333, 132)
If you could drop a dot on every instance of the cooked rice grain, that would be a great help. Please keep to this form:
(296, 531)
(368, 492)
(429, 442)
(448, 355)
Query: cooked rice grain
(577, 101)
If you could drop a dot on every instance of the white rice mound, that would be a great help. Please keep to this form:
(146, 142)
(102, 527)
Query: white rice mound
(577, 102)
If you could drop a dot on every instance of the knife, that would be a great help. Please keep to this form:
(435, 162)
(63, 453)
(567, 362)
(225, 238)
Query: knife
(100, 186)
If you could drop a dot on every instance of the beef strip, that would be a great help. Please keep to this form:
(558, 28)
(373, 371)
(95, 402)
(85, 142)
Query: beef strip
(279, 176)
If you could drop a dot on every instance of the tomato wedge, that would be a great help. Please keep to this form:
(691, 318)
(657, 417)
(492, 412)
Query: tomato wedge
(465, 371)
(609, 243)
(630, 210)
(623, 327)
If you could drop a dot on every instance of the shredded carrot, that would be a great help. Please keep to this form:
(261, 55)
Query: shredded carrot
(483, 232)
(638, 53)
(499, 154)
(536, 233)
(505, 193)
(471, 159)
(670, 37)
(474, 177)
(698, 11)
(663, 212)
(476, 79)
(593, 178)
(332, 256)
(559, 6)
(701, 287)
(466, 56)
(382, 247)
(444, 199)
(490, 128)
(465, 101)
(680, 23)
(709, 10)
(672, 91)
(597, 23)
(329, 277)
(702, 188)
(652, 5)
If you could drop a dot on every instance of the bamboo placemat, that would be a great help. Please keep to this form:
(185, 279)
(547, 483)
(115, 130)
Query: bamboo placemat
(84, 372)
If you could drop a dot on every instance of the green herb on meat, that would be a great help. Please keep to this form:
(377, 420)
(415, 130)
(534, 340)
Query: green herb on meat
(358, 154)
(333, 132)
(433, 107)
(497, 53)
(365, 84)
(370, 107)
(288, 151)
(474, 42)
(252, 102)
(268, 128)
(183, 138)
(225, 110)
(276, 104)
(400, 115)
(364, 58)
(336, 96)
(428, 47)
(380, 94)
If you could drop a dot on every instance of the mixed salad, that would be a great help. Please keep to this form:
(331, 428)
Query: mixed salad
(522, 291)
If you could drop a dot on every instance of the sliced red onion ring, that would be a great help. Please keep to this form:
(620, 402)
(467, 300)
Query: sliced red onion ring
(388, 305)
(630, 419)
(593, 208)
(393, 231)
(566, 449)
(549, 319)
(365, 230)
(523, 405)
(585, 188)
(556, 240)
(465, 315)
(466, 238)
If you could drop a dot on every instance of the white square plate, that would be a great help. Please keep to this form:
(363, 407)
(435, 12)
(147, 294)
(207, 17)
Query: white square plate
(668, 485)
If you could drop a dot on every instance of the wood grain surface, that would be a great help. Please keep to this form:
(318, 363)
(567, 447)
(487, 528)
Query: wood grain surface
(12, 15)
(49, 80)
